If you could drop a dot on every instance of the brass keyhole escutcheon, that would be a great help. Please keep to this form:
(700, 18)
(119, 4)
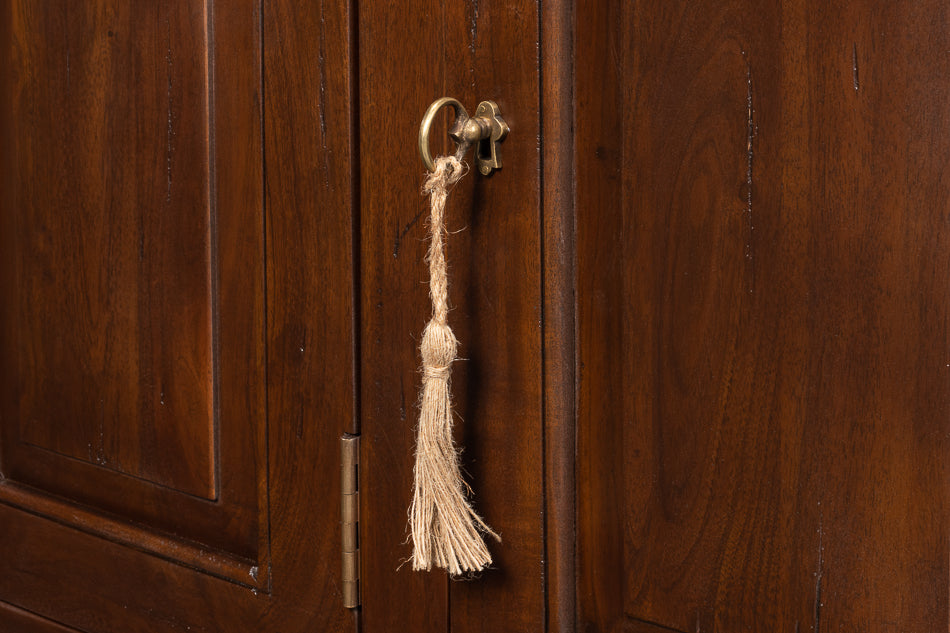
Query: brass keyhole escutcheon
(486, 130)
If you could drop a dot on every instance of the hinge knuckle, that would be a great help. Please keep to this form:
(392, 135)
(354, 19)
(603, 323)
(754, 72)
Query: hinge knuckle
(350, 519)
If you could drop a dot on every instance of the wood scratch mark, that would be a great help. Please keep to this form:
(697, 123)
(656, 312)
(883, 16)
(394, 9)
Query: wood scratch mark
(401, 234)
(66, 37)
(750, 222)
(301, 351)
(473, 27)
(402, 399)
(472, 38)
(443, 52)
(101, 443)
(818, 576)
(854, 65)
(298, 423)
(169, 150)
(321, 106)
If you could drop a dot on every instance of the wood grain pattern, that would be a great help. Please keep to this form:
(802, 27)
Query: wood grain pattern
(112, 239)
(763, 318)
(87, 579)
(599, 104)
(20, 621)
(140, 285)
(472, 51)
(498, 307)
(760, 213)
(557, 196)
(394, 93)
(311, 305)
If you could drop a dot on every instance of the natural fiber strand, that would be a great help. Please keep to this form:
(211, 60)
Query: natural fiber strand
(446, 531)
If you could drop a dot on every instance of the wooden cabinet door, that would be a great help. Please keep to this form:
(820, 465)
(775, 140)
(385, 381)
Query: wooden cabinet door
(212, 266)
(176, 338)
(762, 230)
(508, 248)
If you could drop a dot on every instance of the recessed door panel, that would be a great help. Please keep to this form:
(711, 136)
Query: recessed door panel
(132, 330)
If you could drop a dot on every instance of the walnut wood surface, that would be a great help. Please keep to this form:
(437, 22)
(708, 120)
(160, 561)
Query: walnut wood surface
(409, 58)
(559, 357)
(121, 215)
(310, 268)
(762, 279)
(19, 621)
(113, 257)
(742, 205)
(94, 579)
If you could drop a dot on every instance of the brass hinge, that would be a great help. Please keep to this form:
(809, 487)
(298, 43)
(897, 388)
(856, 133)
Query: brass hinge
(350, 528)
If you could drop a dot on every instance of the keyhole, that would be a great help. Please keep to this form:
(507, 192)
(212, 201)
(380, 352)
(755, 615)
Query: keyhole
(483, 150)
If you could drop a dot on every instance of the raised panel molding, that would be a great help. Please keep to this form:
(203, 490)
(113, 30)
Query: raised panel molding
(131, 345)
(112, 229)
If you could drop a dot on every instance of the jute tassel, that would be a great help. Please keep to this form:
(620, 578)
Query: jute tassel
(446, 531)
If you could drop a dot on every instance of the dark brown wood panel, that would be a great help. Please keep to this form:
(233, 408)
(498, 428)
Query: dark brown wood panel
(762, 271)
(20, 621)
(880, 383)
(112, 238)
(133, 223)
(496, 261)
(598, 147)
(395, 88)
(559, 360)
(311, 306)
(99, 586)
(101, 581)
(470, 51)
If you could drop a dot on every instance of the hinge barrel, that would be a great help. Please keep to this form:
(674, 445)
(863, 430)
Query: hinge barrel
(350, 521)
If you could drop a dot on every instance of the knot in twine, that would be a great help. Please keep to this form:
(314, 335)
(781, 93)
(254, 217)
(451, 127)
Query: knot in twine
(439, 345)
(445, 529)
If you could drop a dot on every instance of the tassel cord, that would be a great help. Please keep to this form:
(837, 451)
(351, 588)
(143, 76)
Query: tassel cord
(446, 531)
